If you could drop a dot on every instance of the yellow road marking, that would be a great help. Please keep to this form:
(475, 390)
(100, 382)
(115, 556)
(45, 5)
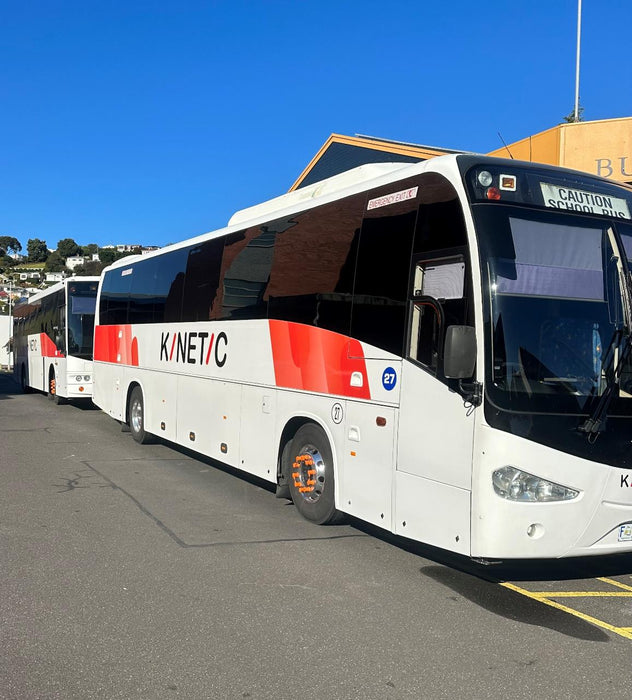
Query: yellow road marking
(580, 594)
(612, 582)
(540, 597)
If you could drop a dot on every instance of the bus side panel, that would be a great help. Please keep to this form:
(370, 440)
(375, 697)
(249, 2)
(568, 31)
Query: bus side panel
(431, 512)
(436, 431)
(369, 455)
(36, 363)
(258, 441)
(208, 417)
(107, 393)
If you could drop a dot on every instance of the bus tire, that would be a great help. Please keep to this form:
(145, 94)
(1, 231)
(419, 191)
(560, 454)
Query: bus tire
(310, 475)
(26, 389)
(136, 417)
(52, 388)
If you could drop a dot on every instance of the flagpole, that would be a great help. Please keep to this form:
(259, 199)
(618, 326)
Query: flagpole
(579, 34)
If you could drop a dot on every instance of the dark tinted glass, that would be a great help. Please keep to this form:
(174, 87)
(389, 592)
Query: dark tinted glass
(245, 274)
(114, 299)
(201, 280)
(169, 284)
(142, 303)
(381, 286)
(311, 280)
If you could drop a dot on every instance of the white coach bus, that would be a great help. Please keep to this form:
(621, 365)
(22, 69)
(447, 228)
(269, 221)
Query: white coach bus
(53, 339)
(440, 349)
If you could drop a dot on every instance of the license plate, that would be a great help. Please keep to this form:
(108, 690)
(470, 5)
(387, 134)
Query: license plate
(625, 532)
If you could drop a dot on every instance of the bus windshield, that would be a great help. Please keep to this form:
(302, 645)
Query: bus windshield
(558, 308)
(81, 307)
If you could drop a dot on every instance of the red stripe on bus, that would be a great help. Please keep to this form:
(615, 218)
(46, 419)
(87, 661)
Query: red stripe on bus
(115, 344)
(313, 359)
(49, 349)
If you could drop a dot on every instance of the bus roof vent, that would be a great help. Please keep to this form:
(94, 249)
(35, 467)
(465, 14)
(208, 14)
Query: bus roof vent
(342, 181)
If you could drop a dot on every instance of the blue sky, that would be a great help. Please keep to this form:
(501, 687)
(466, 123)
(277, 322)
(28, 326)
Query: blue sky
(153, 121)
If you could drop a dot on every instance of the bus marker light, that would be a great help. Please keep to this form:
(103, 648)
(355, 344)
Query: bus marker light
(192, 437)
(163, 426)
(224, 448)
(492, 193)
(508, 182)
(80, 388)
(380, 421)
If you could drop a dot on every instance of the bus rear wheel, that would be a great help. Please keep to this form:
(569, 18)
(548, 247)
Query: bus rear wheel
(310, 475)
(26, 389)
(136, 417)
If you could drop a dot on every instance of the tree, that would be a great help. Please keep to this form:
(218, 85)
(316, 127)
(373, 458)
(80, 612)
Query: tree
(90, 267)
(90, 249)
(55, 262)
(10, 244)
(570, 118)
(37, 250)
(67, 248)
(107, 255)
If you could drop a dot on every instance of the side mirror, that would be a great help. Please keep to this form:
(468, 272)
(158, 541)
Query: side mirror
(459, 353)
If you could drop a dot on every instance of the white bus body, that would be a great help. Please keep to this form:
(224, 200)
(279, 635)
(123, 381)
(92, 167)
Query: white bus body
(53, 339)
(424, 347)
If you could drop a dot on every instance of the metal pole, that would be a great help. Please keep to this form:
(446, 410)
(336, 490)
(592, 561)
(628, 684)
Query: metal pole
(579, 34)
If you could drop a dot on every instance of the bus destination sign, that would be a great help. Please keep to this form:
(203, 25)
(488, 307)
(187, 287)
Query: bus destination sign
(560, 197)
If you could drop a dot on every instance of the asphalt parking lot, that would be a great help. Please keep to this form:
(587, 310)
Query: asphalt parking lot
(131, 571)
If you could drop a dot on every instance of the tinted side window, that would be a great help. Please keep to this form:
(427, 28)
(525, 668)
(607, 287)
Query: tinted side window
(201, 280)
(52, 319)
(381, 285)
(114, 299)
(169, 285)
(311, 280)
(245, 274)
(157, 286)
(142, 303)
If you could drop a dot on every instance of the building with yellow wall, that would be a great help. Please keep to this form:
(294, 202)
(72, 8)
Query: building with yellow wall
(601, 148)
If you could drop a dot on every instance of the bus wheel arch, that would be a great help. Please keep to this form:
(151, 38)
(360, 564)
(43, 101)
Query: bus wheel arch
(135, 414)
(307, 471)
(53, 387)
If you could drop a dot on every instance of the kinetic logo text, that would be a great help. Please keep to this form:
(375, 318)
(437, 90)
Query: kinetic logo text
(194, 348)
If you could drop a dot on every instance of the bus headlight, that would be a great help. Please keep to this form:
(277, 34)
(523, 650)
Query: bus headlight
(516, 485)
(86, 378)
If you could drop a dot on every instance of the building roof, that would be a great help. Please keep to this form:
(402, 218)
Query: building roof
(340, 153)
(602, 147)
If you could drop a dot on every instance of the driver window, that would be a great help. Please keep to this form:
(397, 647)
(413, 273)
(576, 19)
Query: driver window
(438, 301)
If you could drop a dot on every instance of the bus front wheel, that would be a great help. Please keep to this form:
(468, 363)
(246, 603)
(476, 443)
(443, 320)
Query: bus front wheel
(310, 475)
(52, 388)
(136, 417)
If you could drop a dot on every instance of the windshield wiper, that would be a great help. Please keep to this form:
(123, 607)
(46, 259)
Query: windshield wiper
(596, 421)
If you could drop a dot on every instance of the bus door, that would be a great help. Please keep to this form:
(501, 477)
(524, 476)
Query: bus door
(436, 422)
